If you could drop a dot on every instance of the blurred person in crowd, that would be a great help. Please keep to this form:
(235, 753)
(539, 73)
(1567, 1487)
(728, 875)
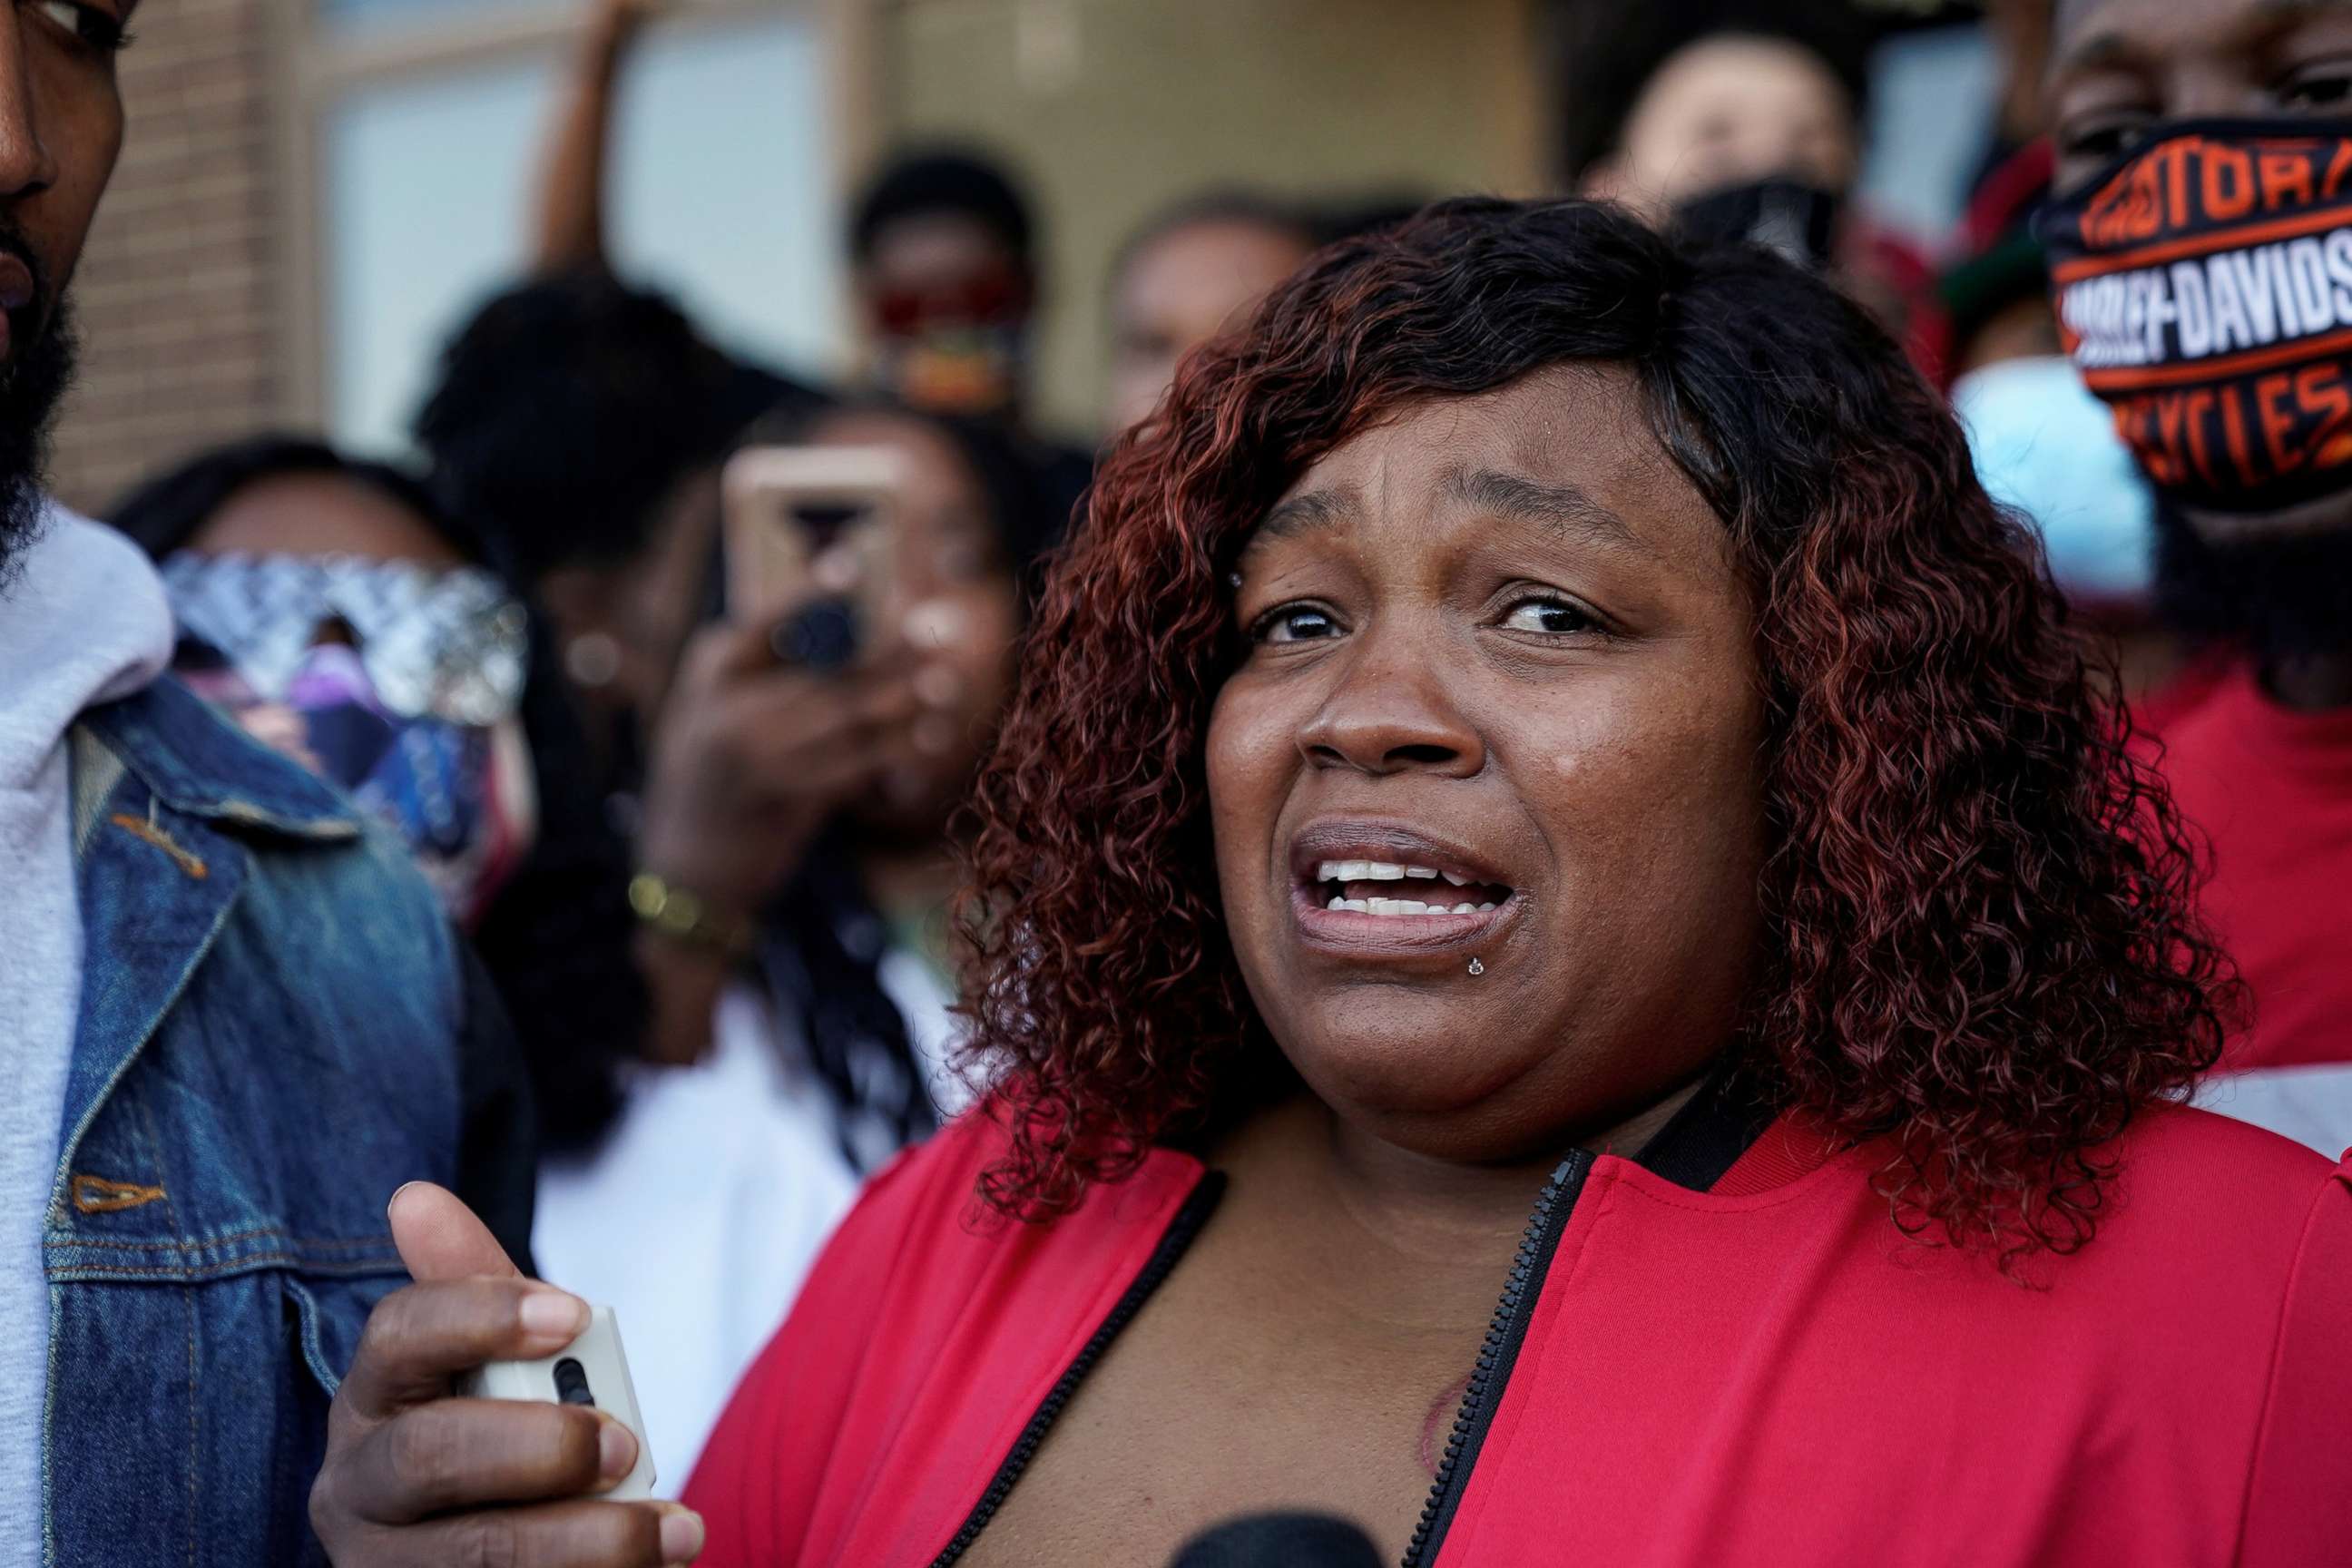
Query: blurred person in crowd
(946, 270)
(2041, 442)
(1481, 766)
(1730, 109)
(1190, 273)
(945, 267)
(582, 424)
(233, 1018)
(1745, 120)
(570, 222)
(1996, 288)
(2043, 446)
(2200, 244)
(942, 241)
(576, 422)
(801, 814)
(337, 613)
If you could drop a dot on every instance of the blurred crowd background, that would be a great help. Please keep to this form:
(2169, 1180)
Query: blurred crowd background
(315, 193)
(456, 285)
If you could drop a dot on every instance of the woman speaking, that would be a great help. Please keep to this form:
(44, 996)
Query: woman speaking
(1573, 970)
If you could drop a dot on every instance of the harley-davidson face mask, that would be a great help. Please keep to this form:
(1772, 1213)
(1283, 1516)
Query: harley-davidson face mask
(2203, 286)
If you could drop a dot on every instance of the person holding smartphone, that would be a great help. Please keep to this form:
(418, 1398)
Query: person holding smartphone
(793, 861)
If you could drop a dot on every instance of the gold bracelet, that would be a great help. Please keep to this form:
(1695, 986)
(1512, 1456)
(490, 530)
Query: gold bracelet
(680, 916)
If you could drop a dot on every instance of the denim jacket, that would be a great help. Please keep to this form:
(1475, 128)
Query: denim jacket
(277, 1028)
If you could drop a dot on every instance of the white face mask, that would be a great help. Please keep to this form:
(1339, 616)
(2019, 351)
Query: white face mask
(2045, 446)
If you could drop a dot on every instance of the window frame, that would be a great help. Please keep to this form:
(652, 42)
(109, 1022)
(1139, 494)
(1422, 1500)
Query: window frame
(322, 64)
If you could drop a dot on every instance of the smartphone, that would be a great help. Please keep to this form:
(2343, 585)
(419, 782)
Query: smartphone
(591, 1371)
(812, 541)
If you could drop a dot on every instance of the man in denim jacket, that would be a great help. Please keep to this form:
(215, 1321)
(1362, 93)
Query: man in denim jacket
(232, 1019)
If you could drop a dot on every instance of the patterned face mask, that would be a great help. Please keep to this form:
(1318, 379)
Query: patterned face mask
(453, 645)
(2203, 285)
(961, 350)
(445, 767)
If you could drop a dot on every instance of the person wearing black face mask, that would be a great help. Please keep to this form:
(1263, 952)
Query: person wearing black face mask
(1746, 125)
(2201, 267)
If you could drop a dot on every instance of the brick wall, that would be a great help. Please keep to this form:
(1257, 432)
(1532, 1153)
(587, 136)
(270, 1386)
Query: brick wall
(177, 294)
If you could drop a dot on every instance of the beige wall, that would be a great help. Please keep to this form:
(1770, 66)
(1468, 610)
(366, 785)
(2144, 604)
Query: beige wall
(1114, 107)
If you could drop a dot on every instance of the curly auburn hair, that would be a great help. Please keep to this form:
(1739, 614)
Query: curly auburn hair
(1981, 942)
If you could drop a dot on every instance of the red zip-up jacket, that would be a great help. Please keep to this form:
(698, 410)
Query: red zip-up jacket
(1763, 1372)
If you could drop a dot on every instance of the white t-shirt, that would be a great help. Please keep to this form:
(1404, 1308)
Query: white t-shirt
(709, 1202)
(86, 623)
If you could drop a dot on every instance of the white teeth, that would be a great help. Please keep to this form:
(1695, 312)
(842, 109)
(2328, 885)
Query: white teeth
(1348, 871)
(1399, 908)
(1361, 871)
(1382, 872)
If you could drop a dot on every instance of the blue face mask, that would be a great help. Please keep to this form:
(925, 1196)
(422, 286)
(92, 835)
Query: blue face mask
(2047, 447)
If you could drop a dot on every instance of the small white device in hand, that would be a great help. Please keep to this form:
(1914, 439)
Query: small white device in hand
(591, 1371)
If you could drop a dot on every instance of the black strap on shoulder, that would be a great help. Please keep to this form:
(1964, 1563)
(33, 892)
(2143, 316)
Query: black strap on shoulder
(1707, 1135)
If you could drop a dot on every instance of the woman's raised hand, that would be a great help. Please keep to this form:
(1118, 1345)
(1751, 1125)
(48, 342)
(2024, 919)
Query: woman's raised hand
(751, 759)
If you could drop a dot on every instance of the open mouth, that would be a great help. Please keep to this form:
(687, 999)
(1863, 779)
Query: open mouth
(1384, 889)
(1398, 890)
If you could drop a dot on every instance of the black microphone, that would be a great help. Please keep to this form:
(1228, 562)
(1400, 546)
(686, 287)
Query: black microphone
(1281, 1541)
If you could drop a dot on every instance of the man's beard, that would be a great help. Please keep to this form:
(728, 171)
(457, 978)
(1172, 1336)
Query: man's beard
(2282, 596)
(32, 383)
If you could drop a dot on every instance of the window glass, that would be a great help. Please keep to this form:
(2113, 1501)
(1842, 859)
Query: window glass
(720, 197)
(1931, 96)
(393, 15)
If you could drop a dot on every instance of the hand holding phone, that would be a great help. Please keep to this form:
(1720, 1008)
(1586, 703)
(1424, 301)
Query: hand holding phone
(811, 539)
(591, 1372)
(752, 758)
(413, 1474)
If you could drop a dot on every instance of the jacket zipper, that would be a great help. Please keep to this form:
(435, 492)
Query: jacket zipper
(1505, 1334)
(1173, 1243)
